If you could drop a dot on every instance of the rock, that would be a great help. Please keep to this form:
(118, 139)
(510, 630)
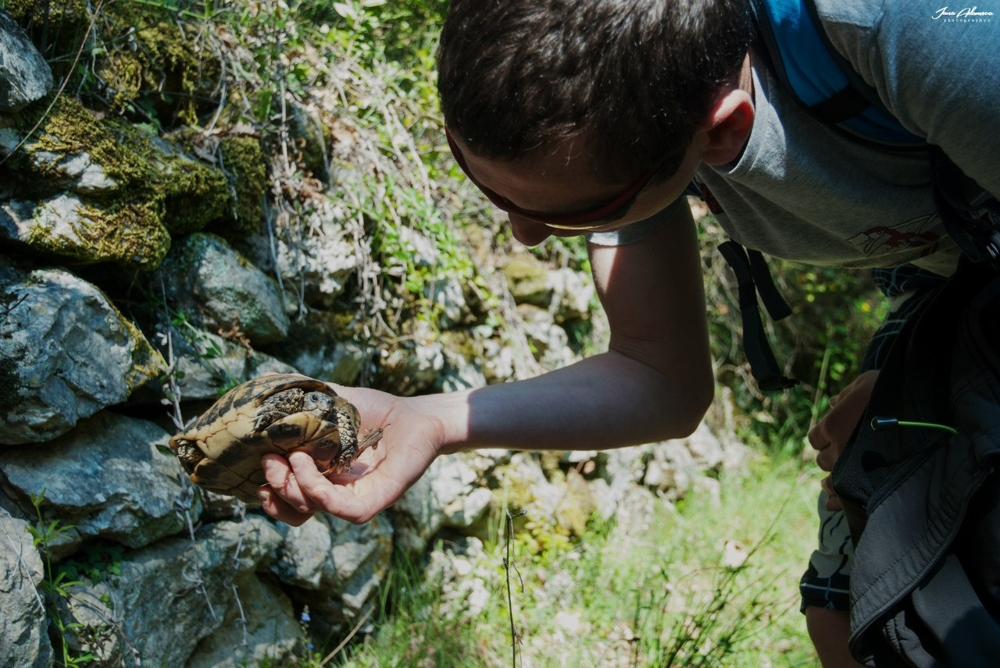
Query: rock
(461, 570)
(671, 470)
(65, 353)
(307, 132)
(218, 289)
(206, 364)
(447, 495)
(127, 231)
(24, 639)
(460, 373)
(550, 343)
(267, 634)
(171, 595)
(416, 363)
(106, 478)
(522, 485)
(78, 171)
(528, 279)
(334, 565)
(24, 74)
(320, 346)
(572, 294)
(498, 361)
(448, 295)
(565, 293)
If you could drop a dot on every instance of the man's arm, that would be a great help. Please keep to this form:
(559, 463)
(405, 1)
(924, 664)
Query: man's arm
(655, 382)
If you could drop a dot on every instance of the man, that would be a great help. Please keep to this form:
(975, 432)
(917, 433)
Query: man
(593, 117)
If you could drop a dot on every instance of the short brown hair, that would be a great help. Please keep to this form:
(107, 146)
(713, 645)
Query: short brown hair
(637, 76)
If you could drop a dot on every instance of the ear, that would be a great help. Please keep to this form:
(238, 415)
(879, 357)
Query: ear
(727, 127)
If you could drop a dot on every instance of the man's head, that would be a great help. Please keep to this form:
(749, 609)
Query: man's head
(631, 80)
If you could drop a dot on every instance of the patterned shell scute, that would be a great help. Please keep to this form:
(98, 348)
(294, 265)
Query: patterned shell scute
(279, 413)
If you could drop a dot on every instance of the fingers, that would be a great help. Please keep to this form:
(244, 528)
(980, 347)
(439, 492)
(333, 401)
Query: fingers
(827, 457)
(297, 490)
(276, 507)
(833, 499)
(282, 498)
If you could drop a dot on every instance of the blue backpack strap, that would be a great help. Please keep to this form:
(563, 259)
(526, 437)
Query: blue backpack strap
(793, 43)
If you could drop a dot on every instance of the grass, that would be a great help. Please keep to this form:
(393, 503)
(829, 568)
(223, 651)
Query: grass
(710, 582)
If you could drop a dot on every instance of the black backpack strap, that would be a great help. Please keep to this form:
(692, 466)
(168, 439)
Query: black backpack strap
(752, 276)
(969, 213)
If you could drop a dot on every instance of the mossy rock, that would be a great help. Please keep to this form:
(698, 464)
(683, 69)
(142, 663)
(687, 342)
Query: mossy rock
(528, 279)
(195, 193)
(160, 68)
(65, 128)
(243, 162)
(126, 231)
(122, 222)
(149, 65)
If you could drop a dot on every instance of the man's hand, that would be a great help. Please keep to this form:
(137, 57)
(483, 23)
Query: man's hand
(297, 490)
(830, 435)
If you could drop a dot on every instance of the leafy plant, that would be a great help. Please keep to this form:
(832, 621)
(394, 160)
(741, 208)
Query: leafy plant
(57, 583)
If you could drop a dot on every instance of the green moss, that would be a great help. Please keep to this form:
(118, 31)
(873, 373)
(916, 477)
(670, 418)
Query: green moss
(243, 162)
(194, 194)
(129, 231)
(184, 69)
(70, 129)
(124, 74)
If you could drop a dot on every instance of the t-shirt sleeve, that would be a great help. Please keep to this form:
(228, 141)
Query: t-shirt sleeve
(639, 230)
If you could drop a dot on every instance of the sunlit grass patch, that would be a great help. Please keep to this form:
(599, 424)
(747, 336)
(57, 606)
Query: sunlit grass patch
(713, 581)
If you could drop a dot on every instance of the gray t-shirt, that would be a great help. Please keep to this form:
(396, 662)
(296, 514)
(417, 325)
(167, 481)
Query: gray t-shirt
(803, 191)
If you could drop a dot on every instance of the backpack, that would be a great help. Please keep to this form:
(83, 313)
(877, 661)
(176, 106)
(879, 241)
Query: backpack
(920, 490)
(791, 41)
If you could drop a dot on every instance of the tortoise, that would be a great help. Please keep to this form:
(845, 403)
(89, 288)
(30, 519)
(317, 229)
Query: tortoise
(278, 413)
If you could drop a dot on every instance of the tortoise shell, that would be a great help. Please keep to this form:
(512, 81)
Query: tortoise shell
(279, 413)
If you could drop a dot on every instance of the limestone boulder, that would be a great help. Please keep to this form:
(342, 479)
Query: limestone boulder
(24, 74)
(24, 639)
(106, 478)
(65, 353)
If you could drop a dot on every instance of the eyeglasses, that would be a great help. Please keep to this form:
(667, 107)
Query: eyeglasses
(605, 213)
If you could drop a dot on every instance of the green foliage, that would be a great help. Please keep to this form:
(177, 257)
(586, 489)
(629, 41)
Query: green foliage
(671, 594)
(57, 583)
(97, 562)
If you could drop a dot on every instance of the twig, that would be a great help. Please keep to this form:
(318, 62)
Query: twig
(507, 564)
(343, 643)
